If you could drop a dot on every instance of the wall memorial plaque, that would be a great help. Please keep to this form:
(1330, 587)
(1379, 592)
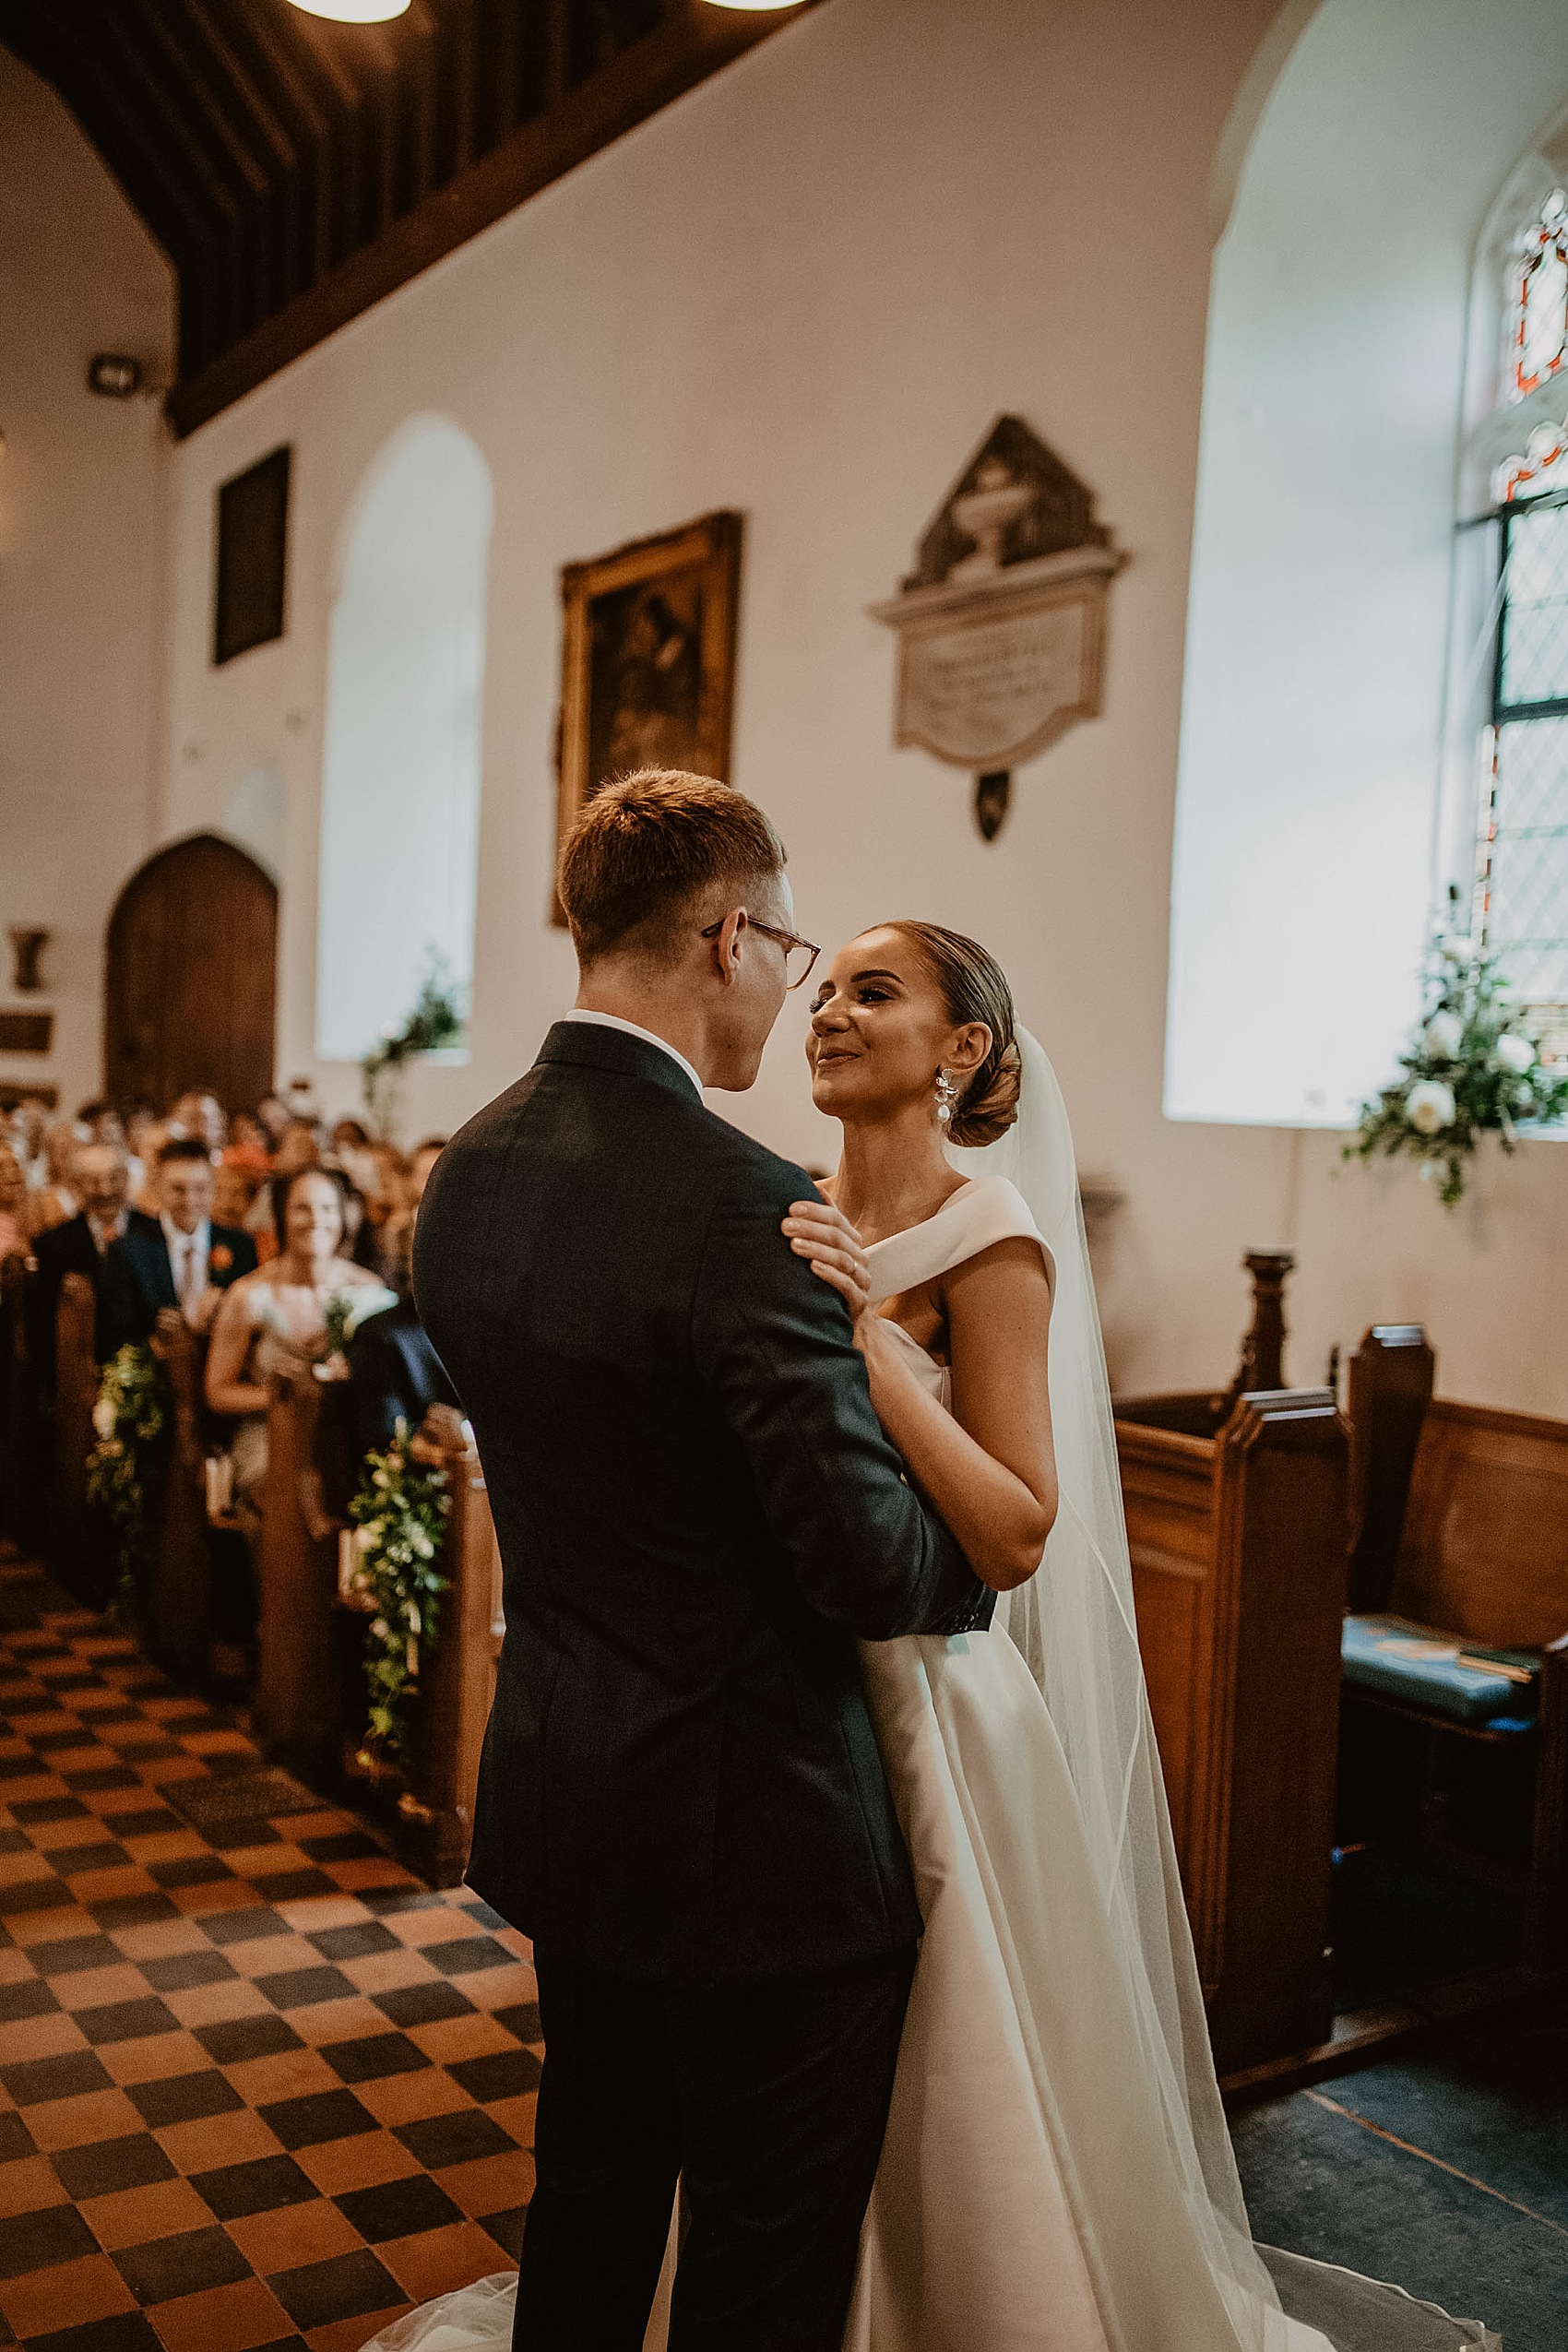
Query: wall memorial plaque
(1002, 625)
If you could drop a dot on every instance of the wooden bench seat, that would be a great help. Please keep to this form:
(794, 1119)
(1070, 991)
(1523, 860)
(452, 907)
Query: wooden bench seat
(1460, 1570)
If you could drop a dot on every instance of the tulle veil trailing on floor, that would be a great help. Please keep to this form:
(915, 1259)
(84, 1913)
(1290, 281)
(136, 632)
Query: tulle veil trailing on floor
(1074, 1625)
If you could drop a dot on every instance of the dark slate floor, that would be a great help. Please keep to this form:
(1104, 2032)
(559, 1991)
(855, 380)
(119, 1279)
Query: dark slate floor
(1445, 2169)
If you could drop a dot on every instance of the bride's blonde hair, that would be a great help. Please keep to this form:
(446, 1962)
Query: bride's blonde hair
(973, 987)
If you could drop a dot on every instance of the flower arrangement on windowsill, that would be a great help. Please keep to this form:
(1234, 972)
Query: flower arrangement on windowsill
(1473, 1068)
(129, 1468)
(399, 1514)
(435, 1024)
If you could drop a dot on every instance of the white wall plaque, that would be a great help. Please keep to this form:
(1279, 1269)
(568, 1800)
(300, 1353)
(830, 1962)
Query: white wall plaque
(1000, 649)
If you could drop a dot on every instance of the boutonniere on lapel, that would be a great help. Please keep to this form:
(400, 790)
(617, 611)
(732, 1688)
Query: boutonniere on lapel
(220, 1260)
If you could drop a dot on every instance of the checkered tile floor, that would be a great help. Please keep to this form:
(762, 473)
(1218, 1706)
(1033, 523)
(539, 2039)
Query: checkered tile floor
(258, 2086)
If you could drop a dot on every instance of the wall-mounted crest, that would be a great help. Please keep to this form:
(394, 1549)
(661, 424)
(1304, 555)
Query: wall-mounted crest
(1002, 625)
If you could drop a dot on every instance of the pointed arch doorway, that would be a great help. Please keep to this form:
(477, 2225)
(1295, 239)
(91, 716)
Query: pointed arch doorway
(191, 978)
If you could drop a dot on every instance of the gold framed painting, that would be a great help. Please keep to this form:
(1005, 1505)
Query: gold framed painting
(648, 659)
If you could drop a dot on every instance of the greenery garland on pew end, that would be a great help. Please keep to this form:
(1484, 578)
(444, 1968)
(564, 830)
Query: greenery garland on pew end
(399, 1514)
(129, 1468)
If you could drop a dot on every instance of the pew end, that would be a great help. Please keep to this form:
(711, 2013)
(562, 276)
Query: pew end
(435, 1813)
(1238, 1550)
(74, 1551)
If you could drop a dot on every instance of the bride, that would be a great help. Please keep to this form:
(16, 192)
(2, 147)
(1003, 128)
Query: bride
(1056, 2175)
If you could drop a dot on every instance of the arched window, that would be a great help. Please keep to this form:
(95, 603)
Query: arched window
(400, 782)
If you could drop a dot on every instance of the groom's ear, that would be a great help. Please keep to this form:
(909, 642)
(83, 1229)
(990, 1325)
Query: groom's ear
(726, 945)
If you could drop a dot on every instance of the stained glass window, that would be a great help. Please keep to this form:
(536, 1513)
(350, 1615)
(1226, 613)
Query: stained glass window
(1538, 318)
(1523, 876)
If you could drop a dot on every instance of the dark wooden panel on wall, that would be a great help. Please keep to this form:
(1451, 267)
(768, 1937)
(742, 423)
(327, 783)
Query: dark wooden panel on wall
(191, 978)
(295, 170)
(253, 557)
(26, 1032)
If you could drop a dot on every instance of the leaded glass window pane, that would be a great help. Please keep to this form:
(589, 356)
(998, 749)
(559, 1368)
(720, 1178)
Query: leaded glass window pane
(1535, 624)
(1526, 878)
(1537, 326)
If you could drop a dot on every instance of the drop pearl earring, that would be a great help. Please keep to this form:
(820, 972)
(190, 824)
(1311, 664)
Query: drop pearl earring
(946, 1097)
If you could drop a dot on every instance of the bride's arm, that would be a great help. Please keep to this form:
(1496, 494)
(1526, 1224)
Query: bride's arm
(987, 1468)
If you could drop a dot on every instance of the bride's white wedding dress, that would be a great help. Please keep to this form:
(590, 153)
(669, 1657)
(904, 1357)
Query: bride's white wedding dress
(1056, 2175)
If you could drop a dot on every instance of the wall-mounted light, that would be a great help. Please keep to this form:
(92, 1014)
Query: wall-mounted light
(113, 374)
(353, 12)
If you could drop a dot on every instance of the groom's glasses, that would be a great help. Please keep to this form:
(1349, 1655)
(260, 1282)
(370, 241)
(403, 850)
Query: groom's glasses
(800, 954)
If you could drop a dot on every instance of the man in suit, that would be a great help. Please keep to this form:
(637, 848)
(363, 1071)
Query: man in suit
(682, 1799)
(178, 1259)
(100, 1181)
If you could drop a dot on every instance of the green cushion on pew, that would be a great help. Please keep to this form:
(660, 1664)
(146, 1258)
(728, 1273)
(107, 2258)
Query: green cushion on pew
(1422, 1666)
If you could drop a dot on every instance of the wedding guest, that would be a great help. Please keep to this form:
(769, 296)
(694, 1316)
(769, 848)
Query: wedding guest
(234, 1187)
(152, 1138)
(249, 1145)
(100, 1181)
(273, 1323)
(55, 1202)
(398, 1242)
(299, 1146)
(273, 1115)
(198, 1113)
(101, 1122)
(27, 1124)
(13, 1202)
(180, 1258)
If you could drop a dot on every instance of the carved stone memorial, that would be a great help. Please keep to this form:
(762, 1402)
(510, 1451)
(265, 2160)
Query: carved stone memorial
(1002, 625)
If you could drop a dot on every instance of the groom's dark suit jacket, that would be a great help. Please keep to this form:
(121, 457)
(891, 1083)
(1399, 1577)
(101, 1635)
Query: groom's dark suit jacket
(697, 1514)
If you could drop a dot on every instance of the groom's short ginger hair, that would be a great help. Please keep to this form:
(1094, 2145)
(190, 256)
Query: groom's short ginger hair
(647, 847)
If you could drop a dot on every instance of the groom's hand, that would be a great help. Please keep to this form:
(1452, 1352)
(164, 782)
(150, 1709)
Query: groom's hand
(824, 1235)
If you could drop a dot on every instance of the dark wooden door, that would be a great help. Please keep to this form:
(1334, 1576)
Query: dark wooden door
(191, 978)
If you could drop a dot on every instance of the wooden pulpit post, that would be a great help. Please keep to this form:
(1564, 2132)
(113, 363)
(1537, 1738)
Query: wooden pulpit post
(1262, 1349)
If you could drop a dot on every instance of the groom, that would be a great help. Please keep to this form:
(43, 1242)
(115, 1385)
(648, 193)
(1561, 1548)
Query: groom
(681, 1799)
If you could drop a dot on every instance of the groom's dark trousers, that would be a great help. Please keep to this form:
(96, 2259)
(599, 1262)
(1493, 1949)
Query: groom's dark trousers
(680, 1798)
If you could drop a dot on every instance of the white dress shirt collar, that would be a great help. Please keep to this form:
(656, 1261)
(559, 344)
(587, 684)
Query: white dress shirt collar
(630, 1029)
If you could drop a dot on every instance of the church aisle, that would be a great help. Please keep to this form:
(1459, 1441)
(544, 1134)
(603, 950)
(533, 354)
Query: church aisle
(258, 2086)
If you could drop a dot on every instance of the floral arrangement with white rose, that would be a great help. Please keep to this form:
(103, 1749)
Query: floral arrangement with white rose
(1473, 1068)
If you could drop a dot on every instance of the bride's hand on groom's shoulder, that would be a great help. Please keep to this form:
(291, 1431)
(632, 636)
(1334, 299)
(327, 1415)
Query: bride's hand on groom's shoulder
(824, 1235)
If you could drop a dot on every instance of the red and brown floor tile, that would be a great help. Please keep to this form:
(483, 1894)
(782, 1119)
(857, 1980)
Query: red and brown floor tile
(259, 2087)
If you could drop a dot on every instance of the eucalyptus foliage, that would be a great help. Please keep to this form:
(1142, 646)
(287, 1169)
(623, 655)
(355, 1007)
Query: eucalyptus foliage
(129, 1468)
(1472, 1069)
(435, 1021)
(399, 1515)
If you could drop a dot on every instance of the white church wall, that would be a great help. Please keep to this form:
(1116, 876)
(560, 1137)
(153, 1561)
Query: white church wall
(804, 292)
(1318, 630)
(83, 511)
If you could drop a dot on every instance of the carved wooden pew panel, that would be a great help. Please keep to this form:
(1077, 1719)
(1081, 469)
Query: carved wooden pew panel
(71, 1543)
(22, 1510)
(1238, 1550)
(297, 1707)
(457, 1677)
(176, 1608)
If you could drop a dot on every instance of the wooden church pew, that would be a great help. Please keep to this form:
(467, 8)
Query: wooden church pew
(1482, 1568)
(1238, 1552)
(457, 1677)
(1388, 1385)
(73, 1548)
(298, 1706)
(176, 1606)
(21, 1503)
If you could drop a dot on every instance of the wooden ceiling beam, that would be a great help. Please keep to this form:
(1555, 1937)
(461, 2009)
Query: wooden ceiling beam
(179, 62)
(259, 28)
(137, 91)
(691, 43)
(203, 33)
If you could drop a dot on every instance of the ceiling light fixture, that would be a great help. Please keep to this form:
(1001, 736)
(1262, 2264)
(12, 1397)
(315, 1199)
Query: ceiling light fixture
(756, 8)
(354, 12)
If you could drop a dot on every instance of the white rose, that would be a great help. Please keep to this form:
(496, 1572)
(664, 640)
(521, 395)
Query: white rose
(1513, 1053)
(1430, 1106)
(103, 1418)
(1444, 1035)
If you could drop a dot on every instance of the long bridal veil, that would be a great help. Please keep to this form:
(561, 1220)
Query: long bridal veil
(1074, 1623)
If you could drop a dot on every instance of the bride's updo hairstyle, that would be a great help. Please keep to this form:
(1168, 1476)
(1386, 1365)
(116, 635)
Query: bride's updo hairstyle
(974, 988)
